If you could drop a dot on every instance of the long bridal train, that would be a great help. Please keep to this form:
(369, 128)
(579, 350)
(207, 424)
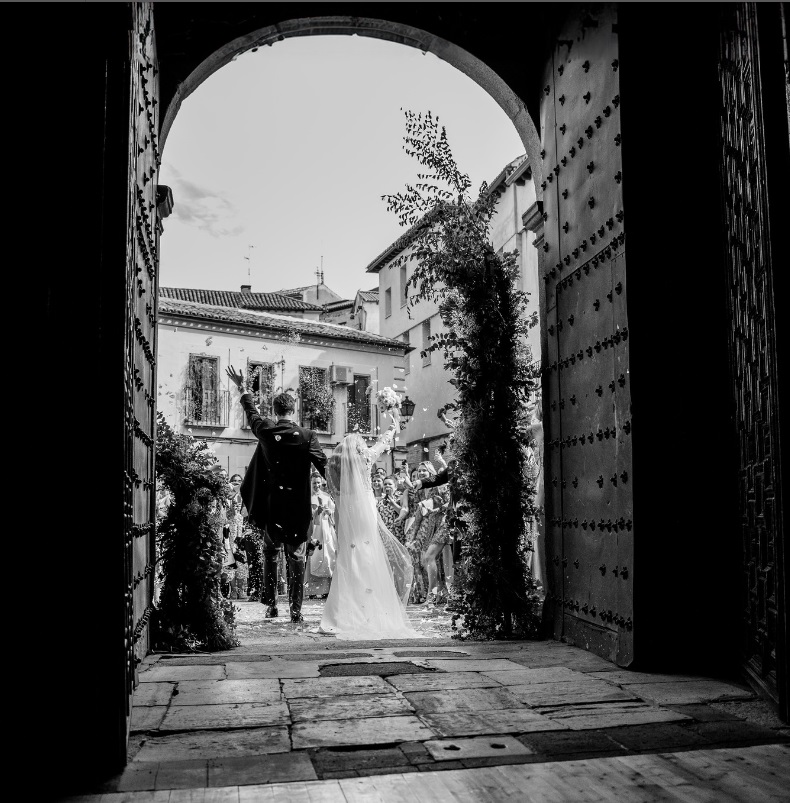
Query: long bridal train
(373, 572)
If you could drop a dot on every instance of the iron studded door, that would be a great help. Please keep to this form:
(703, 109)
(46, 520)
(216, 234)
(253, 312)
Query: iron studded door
(753, 348)
(589, 510)
(140, 341)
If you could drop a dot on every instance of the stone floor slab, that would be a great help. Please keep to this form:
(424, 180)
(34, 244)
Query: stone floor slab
(463, 700)
(499, 747)
(703, 713)
(570, 692)
(609, 715)
(329, 760)
(147, 718)
(623, 677)
(442, 681)
(276, 768)
(352, 706)
(660, 736)
(214, 744)
(216, 692)
(571, 658)
(479, 723)
(272, 669)
(153, 693)
(240, 715)
(181, 775)
(472, 664)
(334, 687)
(375, 730)
(518, 677)
(162, 672)
(567, 742)
(373, 668)
(695, 691)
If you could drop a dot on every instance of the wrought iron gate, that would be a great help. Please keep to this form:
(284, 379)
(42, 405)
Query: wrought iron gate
(140, 341)
(753, 349)
(589, 509)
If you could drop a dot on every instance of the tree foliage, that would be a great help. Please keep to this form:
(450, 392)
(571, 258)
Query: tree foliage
(191, 614)
(484, 344)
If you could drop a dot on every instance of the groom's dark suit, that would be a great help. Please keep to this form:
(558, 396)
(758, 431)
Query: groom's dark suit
(276, 493)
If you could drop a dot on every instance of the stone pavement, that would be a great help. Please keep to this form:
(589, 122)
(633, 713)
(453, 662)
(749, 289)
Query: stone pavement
(293, 707)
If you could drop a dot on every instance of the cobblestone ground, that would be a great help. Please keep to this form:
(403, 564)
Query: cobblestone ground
(256, 632)
(295, 715)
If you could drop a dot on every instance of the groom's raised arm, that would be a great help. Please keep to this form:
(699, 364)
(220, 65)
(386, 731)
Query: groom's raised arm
(256, 420)
(317, 456)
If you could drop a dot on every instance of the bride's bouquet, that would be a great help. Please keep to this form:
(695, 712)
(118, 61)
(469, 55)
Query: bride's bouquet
(387, 399)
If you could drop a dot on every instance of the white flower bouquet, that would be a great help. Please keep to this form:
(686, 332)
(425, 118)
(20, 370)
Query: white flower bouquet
(387, 399)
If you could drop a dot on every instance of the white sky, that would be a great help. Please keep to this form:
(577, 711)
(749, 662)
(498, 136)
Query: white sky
(290, 149)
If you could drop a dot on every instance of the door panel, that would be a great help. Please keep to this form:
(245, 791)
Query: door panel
(586, 380)
(140, 342)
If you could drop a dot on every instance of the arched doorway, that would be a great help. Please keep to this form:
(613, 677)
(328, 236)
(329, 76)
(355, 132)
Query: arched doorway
(685, 570)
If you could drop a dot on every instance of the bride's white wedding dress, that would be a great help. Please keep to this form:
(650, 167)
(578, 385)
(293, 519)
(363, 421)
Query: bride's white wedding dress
(373, 570)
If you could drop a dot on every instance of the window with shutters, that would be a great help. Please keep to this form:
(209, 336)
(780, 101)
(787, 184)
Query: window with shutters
(426, 341)
(316, 399)
(406, 357)
(404, 293)
(388, 302)
(260, 381)
(359, 416)
(202, 393)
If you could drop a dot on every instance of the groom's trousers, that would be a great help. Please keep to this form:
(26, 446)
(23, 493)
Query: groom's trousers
(295, 562)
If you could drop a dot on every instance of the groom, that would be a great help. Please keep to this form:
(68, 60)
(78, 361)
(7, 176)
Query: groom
(276, 492)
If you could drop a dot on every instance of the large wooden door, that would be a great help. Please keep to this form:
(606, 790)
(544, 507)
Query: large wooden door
(745, 114)
(140, 341)
(589, 477)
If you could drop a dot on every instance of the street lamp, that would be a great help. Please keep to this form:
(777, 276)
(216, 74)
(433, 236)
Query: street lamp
(407, 411)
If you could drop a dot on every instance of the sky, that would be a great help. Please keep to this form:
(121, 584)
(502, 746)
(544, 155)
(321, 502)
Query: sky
(280, 159)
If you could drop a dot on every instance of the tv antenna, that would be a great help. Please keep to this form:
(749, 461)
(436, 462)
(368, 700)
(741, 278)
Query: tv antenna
(249, 260)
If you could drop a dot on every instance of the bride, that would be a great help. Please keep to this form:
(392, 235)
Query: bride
(373, 570)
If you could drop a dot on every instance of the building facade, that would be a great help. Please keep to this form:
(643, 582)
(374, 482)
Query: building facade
(316, 361)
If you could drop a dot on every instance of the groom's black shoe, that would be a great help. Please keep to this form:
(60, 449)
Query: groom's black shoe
(297, 618)
(271, 612)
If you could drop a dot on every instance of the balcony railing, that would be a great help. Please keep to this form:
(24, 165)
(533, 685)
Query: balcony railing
(359, 417)
(206, 409)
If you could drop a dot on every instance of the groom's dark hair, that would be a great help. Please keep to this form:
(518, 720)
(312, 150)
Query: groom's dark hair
(283, 404)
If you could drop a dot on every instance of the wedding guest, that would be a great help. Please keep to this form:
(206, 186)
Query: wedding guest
(535, 434)
(252, 544)
(378, 486)
(440, 547)
(238, 588)
(393, 508)
(320, 564)
(426, 520)
(228, 573)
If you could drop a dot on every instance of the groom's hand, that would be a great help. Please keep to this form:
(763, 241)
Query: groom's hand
(236, 378)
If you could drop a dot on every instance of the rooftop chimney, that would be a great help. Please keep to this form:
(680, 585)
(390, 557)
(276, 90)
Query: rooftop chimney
(246, 288)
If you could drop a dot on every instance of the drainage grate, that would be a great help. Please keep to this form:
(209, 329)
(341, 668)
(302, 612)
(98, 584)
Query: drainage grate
(382, 669)
(431, 654)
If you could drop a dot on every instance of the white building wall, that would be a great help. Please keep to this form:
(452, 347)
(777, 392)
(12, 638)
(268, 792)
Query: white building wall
(234, 444)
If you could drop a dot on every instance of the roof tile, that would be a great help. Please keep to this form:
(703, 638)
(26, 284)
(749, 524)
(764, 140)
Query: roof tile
(230, 298)
(268, 320)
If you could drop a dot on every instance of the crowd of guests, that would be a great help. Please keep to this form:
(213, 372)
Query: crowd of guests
(414, 504)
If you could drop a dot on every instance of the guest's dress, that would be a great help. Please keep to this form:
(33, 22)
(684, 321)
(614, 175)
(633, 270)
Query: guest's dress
(390, 513)
(424, 531)
(320, 565)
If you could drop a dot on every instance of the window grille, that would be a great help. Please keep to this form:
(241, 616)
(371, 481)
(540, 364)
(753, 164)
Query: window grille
(202, 393)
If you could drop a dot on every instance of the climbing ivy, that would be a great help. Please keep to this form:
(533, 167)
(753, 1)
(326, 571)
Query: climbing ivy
(191, 612)
(484, 344)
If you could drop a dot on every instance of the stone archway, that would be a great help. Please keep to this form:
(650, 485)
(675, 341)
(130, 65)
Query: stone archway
(407, 35)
